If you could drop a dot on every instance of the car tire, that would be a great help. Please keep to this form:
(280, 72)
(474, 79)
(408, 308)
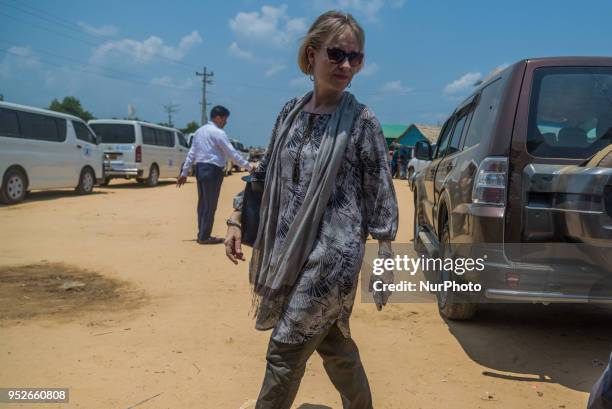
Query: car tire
(410, 179)
(14, 187)
(105, 182)
(417, 243)
(153, 178)
(452, 305)
(87, 180)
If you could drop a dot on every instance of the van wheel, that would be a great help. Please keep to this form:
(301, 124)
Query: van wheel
(153, 176)
(14, 187)
(86, 182)
(451, 304)
(418, 245)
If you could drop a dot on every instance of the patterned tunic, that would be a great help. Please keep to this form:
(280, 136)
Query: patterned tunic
(363, 202)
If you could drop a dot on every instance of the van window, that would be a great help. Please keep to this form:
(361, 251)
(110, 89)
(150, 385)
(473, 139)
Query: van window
(42, 127)
(114, 133)
(570, 112)
(182, 140)
(148, 135)
(83, 133)
(164, 138)
(484, 114)
(443, 139)
(9, 124)
(171, 139)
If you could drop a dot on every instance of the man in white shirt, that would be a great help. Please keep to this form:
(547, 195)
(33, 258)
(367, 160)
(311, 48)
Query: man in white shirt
(210, 150)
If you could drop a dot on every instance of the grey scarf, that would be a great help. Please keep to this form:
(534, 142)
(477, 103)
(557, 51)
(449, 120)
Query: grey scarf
(272, 282)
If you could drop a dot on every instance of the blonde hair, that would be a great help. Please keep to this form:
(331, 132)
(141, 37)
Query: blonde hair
(328, 24)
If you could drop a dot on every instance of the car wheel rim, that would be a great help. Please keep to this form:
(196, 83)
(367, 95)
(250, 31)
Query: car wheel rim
(15, 187)
(154, 175)
(87, 181)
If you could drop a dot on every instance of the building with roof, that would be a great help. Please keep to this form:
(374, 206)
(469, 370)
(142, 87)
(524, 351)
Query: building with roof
(392, 132)
(409, 135)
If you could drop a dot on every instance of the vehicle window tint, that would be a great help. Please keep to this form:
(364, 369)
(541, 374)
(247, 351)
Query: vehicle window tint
(485, 114)
(570, 113)
(443, 139)
(159, 137)
(114, 133)
(148, 135)
(9, 124)
(83, 133)
(169, 138)
(163, 138)
(455, 139)
(182, 140)
(42, 127)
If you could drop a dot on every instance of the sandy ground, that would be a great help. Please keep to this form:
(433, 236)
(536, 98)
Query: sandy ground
(172, 322)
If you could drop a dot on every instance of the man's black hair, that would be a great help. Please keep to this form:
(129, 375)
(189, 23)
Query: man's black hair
(219, 110)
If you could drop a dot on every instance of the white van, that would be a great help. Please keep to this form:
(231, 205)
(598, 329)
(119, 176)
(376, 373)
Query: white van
(41, 149)
(140, 150)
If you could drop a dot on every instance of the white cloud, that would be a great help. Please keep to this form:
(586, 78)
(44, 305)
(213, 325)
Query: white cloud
(238, 52)
(17, 58)
(465, 83)
(368, 9)
(145, 51)
(272, 26)
(300, 82)
(102, 31)
(167, 81)
(395, 87)
(369, 69)
(495, 71)
(275, 69)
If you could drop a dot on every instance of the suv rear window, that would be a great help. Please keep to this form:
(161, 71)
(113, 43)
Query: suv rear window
(114, 133)
(570, 113)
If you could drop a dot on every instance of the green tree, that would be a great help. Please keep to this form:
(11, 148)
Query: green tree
(190, 128)
(72, 106)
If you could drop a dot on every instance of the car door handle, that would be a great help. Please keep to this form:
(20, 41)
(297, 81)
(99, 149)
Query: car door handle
(79, 147)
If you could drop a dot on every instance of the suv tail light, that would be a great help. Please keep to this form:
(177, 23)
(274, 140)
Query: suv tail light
(138, 154)
(490, 184)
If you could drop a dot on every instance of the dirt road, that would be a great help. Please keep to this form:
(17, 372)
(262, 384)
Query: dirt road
(120, 304)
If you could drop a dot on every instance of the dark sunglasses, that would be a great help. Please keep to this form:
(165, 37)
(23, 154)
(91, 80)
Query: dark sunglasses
(338, 56)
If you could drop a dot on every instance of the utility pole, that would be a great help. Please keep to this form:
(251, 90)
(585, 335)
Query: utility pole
(205, 80)
(170, 109)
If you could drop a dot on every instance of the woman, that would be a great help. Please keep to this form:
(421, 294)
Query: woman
(327, 186)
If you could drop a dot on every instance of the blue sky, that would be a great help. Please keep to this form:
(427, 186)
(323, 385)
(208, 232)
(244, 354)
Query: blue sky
(422, 57)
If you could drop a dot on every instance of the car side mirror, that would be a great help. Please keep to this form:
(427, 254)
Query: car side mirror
(422, 150)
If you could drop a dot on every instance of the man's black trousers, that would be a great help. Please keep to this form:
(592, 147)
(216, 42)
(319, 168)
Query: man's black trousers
(209, 179)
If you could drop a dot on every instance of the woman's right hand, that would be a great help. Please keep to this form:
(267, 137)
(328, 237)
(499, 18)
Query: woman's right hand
(233, 246)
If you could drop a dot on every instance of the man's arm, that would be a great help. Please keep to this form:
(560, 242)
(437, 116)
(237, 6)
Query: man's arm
(223, 142)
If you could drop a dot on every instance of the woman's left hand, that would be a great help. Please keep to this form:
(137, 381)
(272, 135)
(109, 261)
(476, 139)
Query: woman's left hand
(380, 297)
(233, 245)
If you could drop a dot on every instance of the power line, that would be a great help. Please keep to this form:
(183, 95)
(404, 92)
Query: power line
(55, 20)
(80, 39)
(133, 81)
(63, 57)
